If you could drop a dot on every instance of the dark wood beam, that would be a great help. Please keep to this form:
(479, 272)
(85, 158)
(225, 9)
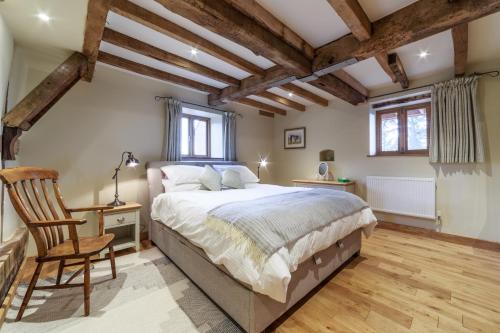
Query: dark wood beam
(97, 11)
(344, 76)
(382, 60)
(47, 93)
(282, 100)
(151, 20)
(147, 50)
(306, 94)
(338, 88)
(254, 10)
(273, 77)
(154, 73)
(397, 68)
(460, 35)
(10, 137)
(266, 114)
(354, 17)
(419, 20)
(234, 25)
(261, 106)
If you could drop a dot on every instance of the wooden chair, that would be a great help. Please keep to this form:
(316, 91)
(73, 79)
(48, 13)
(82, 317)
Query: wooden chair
(30, 193)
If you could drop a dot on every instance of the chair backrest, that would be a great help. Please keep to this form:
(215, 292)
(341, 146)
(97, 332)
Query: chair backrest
(32, 196)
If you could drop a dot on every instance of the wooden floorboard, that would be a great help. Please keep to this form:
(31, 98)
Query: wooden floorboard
(402, 282)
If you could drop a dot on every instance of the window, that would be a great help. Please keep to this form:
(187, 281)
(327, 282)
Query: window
(403, 130)
(201, 134)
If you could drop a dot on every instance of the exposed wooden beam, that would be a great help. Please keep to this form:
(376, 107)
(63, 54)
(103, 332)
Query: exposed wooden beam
(97, 11)
(10, 136)
(47, 93)
(382, 60)
(154, 73)
(354, 17)
(266, 114)
(253, 9)
(306, 94)
(344, 76)
(151, 20)
(234, 25)
(460, 35)
(273, 77)
(147, 50)
(338, 88)
(398, 70)
(282, 100)
(421, 19)
(262, 106)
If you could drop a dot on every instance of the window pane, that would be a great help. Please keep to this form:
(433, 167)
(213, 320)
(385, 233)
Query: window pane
(389, 124)
(200, 137)
(185, 136)
(417, 129)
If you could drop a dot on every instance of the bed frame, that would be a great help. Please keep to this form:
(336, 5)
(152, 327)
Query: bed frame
(254, 312)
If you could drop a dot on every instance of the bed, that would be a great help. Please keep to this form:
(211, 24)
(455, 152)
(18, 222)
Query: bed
(252, 300)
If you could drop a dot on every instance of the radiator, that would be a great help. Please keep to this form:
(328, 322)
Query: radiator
(402, 195)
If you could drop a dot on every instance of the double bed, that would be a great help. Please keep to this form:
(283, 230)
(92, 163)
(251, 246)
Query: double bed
(253, 292)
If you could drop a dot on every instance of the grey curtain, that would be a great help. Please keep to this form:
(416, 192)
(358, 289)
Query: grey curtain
(229, 135)
(172, 140)
(456, 133)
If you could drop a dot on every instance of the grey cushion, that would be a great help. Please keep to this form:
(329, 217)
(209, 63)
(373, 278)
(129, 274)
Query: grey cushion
(232, 179)
(211, 179)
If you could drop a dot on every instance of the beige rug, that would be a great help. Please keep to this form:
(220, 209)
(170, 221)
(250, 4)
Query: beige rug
(150, 294)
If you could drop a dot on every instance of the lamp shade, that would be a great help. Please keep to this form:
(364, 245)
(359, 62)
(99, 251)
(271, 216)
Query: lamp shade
(131, 161)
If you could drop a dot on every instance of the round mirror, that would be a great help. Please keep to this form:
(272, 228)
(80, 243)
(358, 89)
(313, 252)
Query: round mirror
(323, 169)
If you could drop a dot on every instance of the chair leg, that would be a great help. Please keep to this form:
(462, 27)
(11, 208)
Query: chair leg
(31, 287)
(86, 286)
(60, 271)
(112, 261)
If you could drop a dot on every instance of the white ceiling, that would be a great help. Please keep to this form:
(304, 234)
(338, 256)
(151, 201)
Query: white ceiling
(313, 20)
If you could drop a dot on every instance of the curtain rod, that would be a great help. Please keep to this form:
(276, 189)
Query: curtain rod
(158, 98)
(494, 73)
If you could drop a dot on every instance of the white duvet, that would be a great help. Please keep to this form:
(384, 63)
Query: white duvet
(185, 212)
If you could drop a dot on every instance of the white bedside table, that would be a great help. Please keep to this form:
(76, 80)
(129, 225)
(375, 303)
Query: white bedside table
(334, 185)
(123, 222)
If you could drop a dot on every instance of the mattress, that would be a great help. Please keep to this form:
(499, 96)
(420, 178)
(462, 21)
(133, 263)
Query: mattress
(185, 212)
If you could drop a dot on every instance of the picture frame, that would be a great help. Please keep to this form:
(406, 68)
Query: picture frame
(294, 138)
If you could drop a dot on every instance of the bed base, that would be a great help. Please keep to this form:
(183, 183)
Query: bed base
(252, 311)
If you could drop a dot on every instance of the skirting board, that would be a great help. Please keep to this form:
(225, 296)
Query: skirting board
(461, 240)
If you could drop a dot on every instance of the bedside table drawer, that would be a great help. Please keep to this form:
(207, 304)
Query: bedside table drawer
(124, 218)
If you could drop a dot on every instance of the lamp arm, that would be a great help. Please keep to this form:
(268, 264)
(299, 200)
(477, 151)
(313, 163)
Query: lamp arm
(120, 165)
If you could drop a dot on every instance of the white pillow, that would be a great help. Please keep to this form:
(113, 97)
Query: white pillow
(170, 186)
(211, 179)
(183, 174)
(247, 176)
(231, 178)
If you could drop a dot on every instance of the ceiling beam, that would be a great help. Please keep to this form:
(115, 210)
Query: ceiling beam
(306, 94)
(397, 68)
(154, 73)
(230, 23)
(354, 17)
(253, 9)
(338, 88)
(261, 106)
(151, 20)
(97, 11)
(147, 50)
(266, 114)
(460, 35)
(273, 77)
(347, 78)
(382, 60)
(282, 100)
(419, 20)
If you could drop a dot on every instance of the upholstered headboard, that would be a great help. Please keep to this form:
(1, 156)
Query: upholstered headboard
(154, 175)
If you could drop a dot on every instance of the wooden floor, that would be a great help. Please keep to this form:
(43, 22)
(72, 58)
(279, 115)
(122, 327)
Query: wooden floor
(403, 283)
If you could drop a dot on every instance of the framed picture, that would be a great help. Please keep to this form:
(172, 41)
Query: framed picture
(295, 138)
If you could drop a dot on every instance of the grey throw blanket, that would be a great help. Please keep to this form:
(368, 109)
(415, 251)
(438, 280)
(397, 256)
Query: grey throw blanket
(262, 226)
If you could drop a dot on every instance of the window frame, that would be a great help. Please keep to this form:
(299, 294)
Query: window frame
(402, 114)
(208, 141)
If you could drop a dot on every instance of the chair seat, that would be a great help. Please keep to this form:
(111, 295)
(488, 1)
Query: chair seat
(89, 246)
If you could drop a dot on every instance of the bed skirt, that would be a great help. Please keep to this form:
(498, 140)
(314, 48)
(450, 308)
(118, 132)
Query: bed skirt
(252, 311)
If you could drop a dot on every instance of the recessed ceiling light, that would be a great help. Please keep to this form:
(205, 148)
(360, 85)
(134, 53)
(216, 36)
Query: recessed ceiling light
(194, 51)
(290, 94)
(423, 54)
(43, 17)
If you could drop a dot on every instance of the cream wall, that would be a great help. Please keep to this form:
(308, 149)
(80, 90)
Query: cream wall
(467, 196)
(84, 134)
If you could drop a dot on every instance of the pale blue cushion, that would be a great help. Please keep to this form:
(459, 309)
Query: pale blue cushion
(232, 179)
(211, 179)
